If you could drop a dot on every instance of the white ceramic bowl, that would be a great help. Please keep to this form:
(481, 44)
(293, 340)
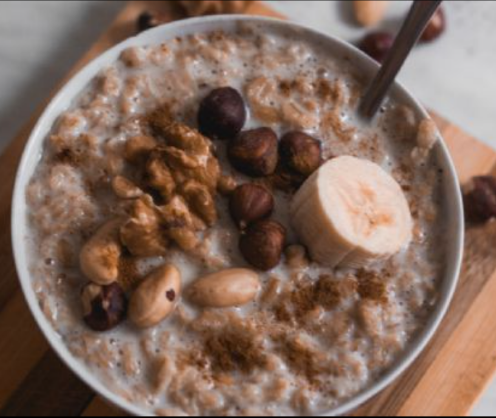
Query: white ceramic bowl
(63, 100)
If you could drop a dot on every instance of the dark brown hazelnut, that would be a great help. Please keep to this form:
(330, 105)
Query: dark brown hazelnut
(148, 20)
(480, 199)
(286, 180)
(377, 45)
(254, 152)
(104, 307)
(300, 152)
(263, 243)
(435, 27)
(250, 203)
(222, 114)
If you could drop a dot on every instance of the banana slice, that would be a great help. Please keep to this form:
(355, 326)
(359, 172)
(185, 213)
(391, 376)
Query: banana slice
(351, 213)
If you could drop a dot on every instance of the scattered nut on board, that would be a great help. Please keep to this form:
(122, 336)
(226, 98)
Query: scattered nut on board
(199, 8)
(369, 13)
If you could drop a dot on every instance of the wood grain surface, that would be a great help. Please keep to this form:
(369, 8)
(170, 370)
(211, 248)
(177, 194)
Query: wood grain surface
(446, 380)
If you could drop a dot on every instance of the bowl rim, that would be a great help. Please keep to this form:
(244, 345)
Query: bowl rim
(165, 32)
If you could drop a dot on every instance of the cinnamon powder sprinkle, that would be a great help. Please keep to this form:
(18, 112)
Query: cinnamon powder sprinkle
(327, 293)
(129, 277)
(234, 350)
(372, 287)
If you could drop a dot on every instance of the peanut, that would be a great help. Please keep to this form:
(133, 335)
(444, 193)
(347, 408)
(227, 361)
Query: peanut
(225, 289)
(156, 298)
(369, 13)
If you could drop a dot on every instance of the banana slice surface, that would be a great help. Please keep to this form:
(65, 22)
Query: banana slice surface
(351, 213)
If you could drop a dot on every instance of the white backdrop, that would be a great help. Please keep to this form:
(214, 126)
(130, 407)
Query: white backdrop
(456, 76)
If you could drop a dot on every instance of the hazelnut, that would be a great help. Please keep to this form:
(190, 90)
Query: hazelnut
(480, 199)
(250, 203)
(222, 113)
(377, 45)
(104, 307)
(263, 243)
(300, 152)
(254, 152)
(435, 27)
(148, 20)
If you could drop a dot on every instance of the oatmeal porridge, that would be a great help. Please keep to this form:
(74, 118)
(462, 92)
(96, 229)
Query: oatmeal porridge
(215, 233)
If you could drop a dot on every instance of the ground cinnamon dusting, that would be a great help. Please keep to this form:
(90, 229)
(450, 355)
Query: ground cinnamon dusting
(305, 361)
(372, 287)
(129, 277)
(234, 350)
(327, 293)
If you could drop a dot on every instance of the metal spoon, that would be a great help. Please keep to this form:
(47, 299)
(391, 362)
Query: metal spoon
(415, 24)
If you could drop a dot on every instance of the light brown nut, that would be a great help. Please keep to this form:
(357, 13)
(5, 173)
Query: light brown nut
(138, 148)
(142, 234)
(176, 214)
(296, 257)
(226, 185)
(156, 298)
(369, 13)
(201, 201)
(225, 289)
(159, 176)
(125, 189)
(185, 238)
(99, 258)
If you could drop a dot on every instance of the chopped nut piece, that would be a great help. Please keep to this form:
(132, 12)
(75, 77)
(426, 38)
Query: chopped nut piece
(142, 234)
(227, 185)
(138, 148)
(185, 238)
(200, 201)
(125, 189)
(177, 134)
(159, 176)
(100, 256)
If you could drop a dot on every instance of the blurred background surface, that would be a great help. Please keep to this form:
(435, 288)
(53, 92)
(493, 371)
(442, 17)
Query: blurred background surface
(41, 40)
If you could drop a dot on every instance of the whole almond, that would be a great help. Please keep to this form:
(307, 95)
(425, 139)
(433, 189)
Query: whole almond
(225, 289)
(156, 298)
(369, 13)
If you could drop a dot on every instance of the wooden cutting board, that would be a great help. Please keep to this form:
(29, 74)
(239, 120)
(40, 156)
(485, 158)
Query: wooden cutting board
(446, 381)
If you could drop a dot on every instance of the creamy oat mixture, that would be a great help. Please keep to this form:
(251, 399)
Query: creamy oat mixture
(313, 336)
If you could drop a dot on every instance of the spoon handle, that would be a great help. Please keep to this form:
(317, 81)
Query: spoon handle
(416, 22)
